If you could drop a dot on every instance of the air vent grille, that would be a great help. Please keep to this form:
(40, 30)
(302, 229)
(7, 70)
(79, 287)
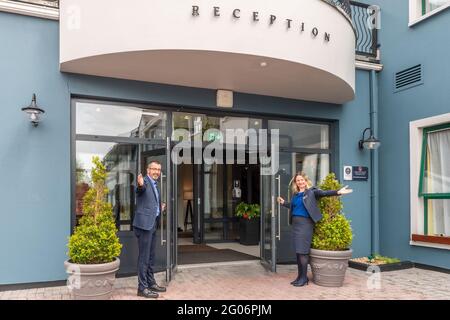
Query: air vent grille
(408, 78)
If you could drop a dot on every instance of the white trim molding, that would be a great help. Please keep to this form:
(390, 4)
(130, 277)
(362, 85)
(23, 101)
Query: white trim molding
(429, 245)
(415, 149)
(415, 12)
(363, 65)
(29, 9)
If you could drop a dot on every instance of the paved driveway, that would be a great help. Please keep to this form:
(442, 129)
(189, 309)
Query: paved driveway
(250, 281)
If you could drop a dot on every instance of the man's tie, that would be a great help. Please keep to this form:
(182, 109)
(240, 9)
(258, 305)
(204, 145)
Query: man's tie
(157, 195)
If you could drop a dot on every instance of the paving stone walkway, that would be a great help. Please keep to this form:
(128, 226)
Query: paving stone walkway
(251, 281)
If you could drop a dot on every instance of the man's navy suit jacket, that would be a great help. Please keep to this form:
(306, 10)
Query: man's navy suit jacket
(146, 206)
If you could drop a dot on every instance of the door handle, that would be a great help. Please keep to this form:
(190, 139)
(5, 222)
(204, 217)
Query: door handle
(279, 207)
(198, 215)
(163, 241)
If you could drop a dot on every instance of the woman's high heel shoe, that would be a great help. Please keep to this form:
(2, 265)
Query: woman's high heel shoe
(296, 280)
(300, 283)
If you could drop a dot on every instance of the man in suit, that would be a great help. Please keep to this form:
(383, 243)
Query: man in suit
(148, 212)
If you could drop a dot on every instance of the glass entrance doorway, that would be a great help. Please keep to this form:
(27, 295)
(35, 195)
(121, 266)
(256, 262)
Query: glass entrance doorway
(224, 187)
(207, 223)
(125, 139)
(303, 147)
(202, 196)
(208, 192)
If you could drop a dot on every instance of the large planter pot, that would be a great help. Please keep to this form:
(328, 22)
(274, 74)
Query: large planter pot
(249, 232)
(91, 281)
(328, 267)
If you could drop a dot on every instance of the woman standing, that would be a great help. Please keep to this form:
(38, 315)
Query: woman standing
(304, 213)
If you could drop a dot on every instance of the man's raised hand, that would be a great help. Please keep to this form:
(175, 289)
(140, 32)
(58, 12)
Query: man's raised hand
(140, 180)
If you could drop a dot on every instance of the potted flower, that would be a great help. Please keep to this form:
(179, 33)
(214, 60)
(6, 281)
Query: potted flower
(94, 247)
(249, 223)
(332, 238)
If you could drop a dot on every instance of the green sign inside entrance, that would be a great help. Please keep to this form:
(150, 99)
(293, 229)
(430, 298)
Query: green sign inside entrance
(213, 136)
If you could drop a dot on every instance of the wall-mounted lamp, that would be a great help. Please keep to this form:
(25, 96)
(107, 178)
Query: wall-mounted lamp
(370, 143)
(33, 111)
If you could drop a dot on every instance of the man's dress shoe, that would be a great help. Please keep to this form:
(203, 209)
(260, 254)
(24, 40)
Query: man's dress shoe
(147, 293)
(157, 288)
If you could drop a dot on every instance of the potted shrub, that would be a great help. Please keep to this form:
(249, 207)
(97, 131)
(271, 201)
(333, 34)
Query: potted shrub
(332, 238)
(94, 247)
(249, 223)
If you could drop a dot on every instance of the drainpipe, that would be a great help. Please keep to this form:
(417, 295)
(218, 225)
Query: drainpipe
(374, 198)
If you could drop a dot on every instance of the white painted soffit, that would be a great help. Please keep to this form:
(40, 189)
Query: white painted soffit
(306, 52)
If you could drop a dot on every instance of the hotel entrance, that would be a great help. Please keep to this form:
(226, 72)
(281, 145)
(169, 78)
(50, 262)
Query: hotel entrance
(208, 228)
(200, 224)
(208, 193)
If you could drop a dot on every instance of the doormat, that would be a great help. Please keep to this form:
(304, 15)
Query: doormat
(185, 234)
(195, 248)
(204, 254)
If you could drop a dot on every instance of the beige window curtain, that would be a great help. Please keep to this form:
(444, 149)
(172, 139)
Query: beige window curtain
(438, 181)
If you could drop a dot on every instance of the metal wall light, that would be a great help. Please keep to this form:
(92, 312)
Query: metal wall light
(371, 143)
(34, 112)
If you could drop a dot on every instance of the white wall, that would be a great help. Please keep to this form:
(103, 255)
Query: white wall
(161, 41)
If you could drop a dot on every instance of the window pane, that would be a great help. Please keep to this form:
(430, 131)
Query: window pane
(232, 230)
(193, 124)
(121, 165)
(213, 193)
(316, 166)
(198, 124)
(436, 177)
(439, 217)
(236, 124)
(431, 5)
(302, 135)
(122, 121)
(213, 231)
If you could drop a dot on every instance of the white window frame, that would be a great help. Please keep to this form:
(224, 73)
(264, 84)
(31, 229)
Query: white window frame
(415, 12)
(416, 202)
(29, 9)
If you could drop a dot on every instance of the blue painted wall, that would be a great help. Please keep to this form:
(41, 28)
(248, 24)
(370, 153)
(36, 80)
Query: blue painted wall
(35, 162)
(427, 43)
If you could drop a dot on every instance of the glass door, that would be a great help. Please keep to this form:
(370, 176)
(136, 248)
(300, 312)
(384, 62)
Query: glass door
(276, 230)
(283, 177)
(214, 200)
(160, 153)
(173, 224)
(124, 161)
(268, 218)
(316, 166)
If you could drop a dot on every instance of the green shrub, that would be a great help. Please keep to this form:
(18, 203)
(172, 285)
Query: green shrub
(95, 238)
(248, 211)
(333, 232)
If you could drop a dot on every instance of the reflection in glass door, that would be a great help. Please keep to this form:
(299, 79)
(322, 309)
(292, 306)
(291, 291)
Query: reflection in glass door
(213, 203)
(217, 186)
(316, 166)
(125, 138)
(124, 162)
(148, 154)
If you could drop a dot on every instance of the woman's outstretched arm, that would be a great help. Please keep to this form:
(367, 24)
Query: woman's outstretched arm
(331, 193)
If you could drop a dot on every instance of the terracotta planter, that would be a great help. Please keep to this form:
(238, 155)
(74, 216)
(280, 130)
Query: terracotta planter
(91, 281)
(328, 267)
